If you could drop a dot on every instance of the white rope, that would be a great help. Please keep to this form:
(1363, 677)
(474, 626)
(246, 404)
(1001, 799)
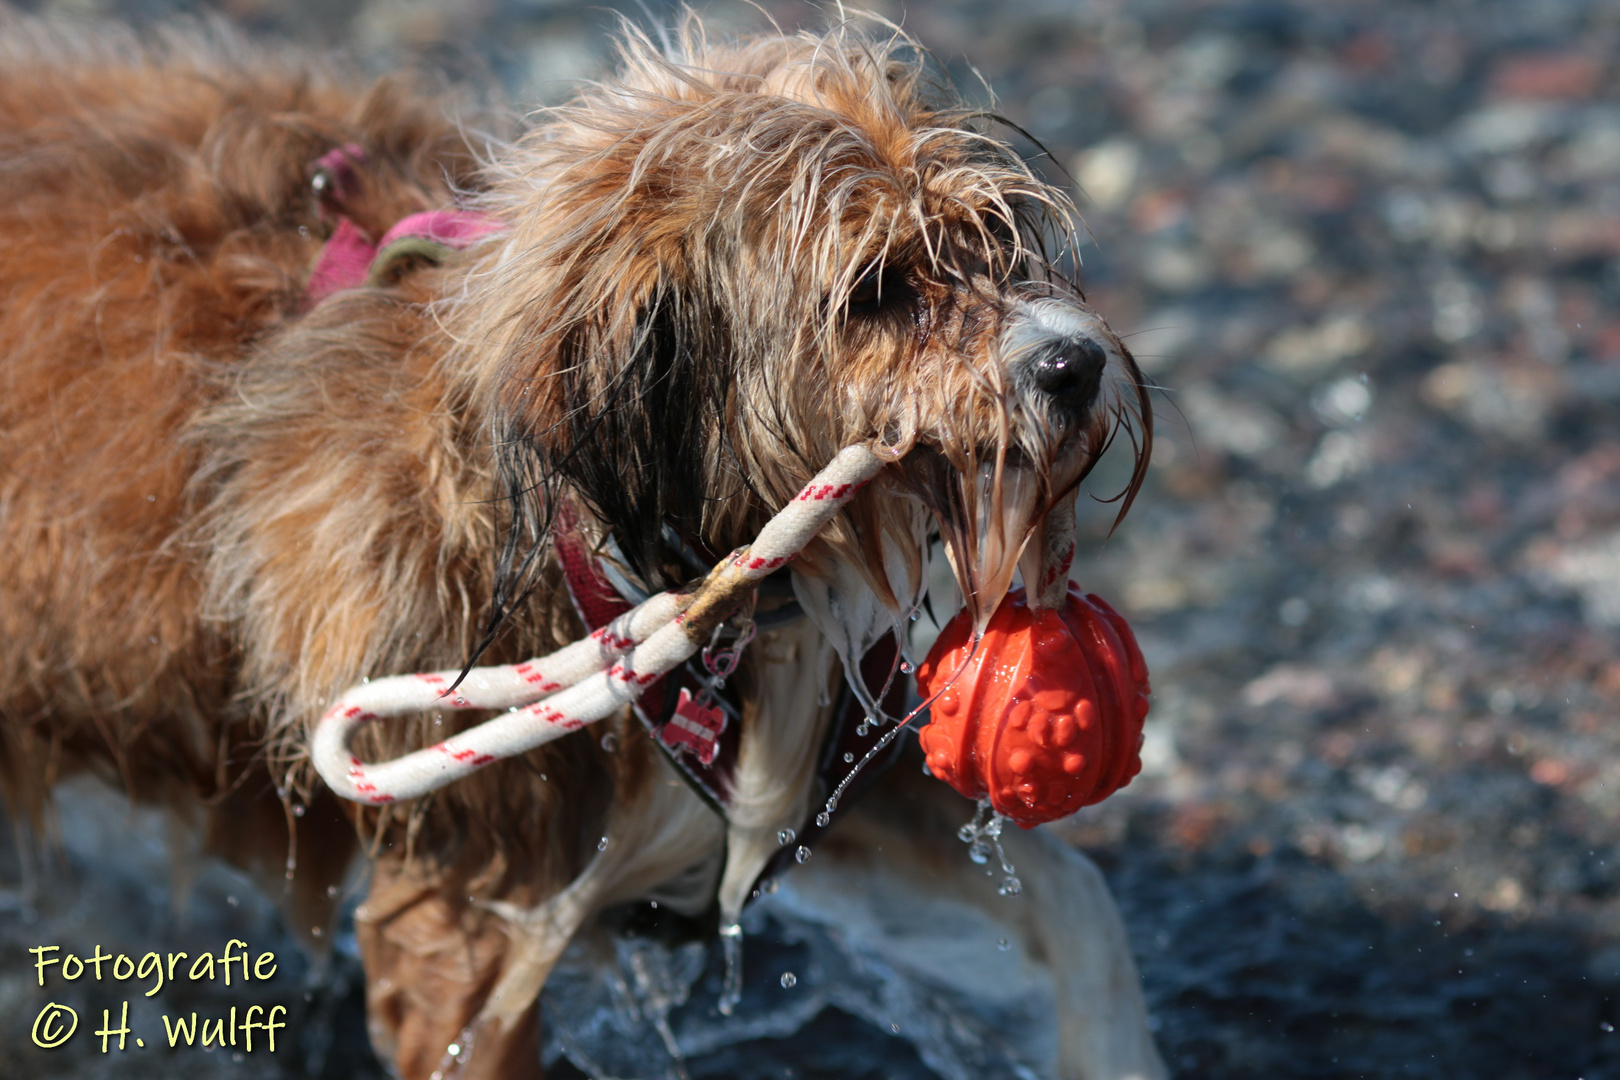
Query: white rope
(579, 684)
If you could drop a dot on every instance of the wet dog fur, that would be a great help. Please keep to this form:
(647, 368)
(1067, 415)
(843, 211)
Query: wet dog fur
(222, 505)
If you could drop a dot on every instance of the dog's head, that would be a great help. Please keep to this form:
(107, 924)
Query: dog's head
(734, 261)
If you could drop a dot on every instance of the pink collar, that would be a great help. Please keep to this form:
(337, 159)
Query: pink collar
(350, 260)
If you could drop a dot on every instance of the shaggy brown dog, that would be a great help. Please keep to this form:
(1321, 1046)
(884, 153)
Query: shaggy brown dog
(222, 502)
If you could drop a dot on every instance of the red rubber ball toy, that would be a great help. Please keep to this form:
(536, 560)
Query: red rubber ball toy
(1045, 716)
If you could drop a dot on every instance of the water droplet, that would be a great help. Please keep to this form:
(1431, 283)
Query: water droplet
(979, 852)
(803, 854)
(1605, 1026)
(331, 891)
(905, 666)
(601, 845)
(848, 757)
(863, 728)
(298, 810)
(1003, 944)
(769, 885)
(610, 742)
(317, 931)
(789, 980)
(731, 937)
(1010, 886)
(454, 1049)
(784, 837)
(895, 1028)
(823, 818)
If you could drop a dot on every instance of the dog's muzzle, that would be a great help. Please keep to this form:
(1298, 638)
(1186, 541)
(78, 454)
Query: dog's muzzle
(1058, 356)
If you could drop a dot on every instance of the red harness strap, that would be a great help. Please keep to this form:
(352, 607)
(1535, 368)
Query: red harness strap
(594, 596)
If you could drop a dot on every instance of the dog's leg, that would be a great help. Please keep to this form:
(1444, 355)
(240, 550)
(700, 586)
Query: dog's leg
(782, 731)
(1072, 921)
(431, 957)
(657, 833)
(897, 855)
(444, 968)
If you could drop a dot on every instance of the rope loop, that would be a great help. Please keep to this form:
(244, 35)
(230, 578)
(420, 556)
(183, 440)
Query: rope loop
(550, 696)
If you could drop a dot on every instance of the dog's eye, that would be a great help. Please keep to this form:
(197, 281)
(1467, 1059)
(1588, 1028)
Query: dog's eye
(877, 289)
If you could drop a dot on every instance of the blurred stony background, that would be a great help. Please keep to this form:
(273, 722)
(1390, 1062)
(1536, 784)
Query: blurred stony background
(1370, 253)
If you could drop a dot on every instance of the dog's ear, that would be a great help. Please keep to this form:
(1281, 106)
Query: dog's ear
(612, 391)
(640, 423)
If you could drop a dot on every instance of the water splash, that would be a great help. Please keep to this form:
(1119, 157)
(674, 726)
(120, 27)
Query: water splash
(889, 736)
(659, 990)
(847, 961)
(731, 942)
(983, 836)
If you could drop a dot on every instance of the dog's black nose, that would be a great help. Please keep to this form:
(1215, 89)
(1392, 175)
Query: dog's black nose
(1071, 373)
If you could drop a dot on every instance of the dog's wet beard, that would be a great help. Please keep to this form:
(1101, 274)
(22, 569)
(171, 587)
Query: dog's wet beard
(992, 502)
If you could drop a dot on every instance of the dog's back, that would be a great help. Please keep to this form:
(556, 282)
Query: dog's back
(220, 501)
(157, 216)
